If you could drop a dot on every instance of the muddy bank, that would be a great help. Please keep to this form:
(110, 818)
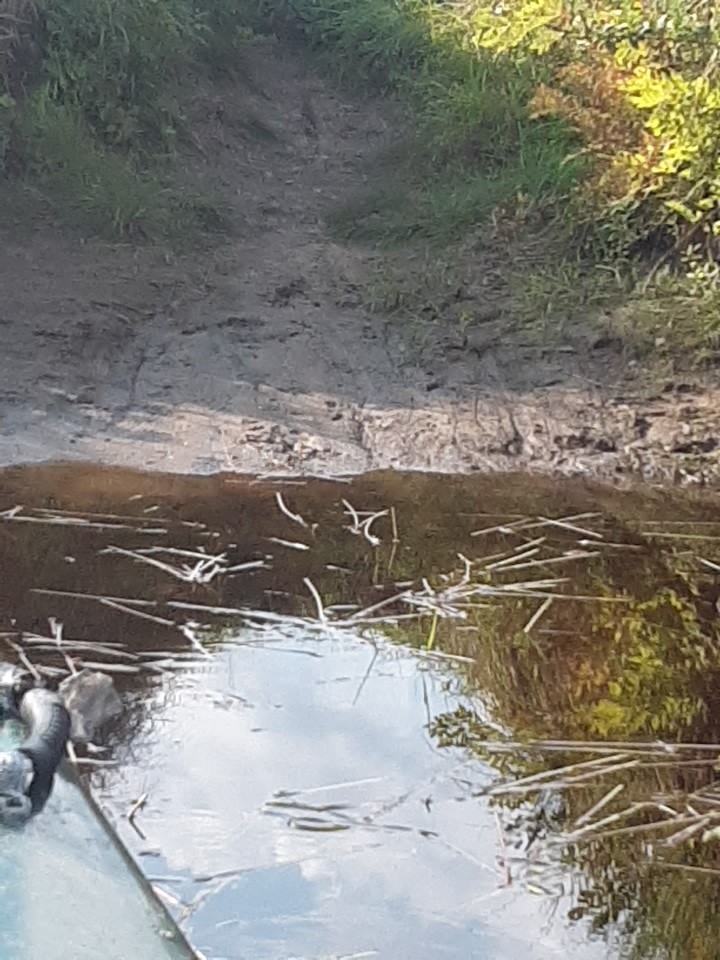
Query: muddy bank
(261, 354)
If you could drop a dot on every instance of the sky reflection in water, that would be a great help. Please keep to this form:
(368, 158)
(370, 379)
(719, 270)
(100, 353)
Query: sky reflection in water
(212, 762)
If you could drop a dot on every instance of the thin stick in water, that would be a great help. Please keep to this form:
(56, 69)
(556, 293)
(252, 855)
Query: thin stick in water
(544, 606)
(600, 805)
(138, 613)
(295, 517)
(322, 616)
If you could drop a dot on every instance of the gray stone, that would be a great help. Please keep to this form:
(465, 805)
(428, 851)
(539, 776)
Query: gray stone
(92, 701)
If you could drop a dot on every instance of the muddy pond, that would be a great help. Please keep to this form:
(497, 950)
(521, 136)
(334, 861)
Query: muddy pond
(403, 716)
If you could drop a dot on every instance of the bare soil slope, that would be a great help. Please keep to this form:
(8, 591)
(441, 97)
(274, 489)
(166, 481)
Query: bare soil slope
(258, 355)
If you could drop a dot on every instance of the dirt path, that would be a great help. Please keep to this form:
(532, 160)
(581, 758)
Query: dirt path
(259, 355)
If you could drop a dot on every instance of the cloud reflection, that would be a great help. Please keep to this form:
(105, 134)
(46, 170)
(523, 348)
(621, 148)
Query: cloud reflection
(413, 874)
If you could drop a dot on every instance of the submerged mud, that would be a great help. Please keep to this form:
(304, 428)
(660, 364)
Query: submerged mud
(400, 716)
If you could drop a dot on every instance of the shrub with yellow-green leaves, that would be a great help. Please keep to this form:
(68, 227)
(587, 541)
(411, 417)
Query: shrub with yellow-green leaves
(639, 82)
(645, 98)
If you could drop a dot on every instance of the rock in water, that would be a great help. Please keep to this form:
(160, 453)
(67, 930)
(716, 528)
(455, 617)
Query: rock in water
(92, 701)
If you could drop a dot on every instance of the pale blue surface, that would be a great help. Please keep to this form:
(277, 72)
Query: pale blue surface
(340, 726)
(67, 893)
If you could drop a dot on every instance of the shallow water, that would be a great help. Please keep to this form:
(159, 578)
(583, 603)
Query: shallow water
(317, 789)
(330, 823)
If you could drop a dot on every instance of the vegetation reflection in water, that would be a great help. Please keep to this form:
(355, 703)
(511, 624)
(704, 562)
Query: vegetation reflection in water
(578, 625)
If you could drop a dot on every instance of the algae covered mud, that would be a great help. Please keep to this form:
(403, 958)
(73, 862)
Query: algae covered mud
(402, 716)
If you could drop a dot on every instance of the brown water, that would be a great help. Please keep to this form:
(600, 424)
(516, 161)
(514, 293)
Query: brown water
(317, 785)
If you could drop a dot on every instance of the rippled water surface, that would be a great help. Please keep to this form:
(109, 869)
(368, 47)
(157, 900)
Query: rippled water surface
(402, 717)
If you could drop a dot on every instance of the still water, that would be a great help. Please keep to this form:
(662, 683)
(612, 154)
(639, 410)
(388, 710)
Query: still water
(329, 823)
(402, 717)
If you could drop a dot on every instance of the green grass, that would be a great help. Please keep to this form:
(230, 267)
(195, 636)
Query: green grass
(471, 152)
(117, 65)
(96, 135)
(672, 324)
(96, 188)
(467, 147)
(413, 197)
(669, 324)
(473, 146)
(437, 210)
